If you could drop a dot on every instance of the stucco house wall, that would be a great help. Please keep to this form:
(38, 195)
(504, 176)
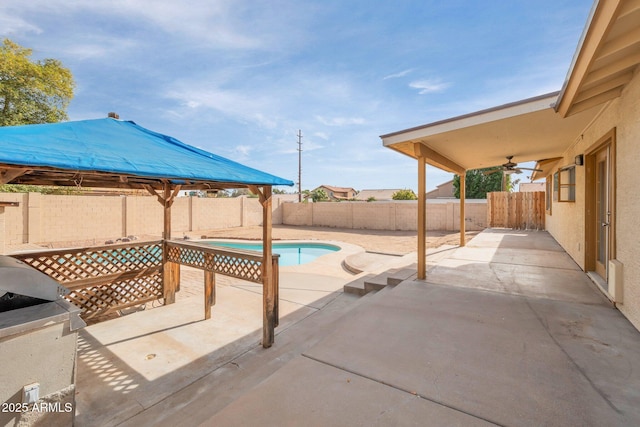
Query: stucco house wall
(444, 190)
(567, 220)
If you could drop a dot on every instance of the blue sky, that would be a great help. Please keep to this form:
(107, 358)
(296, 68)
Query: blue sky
(239, 78)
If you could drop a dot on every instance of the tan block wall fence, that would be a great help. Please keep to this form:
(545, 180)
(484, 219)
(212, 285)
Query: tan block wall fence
(385, 215)
(57, 218)
(40, 219)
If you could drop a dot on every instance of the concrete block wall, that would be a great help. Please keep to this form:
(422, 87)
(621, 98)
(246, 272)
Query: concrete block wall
(16, 225)
(297, 214)
(252, 211)
(144, 215)
(373, 216)
(72, 217)
(60, 218)
(384, 215)
(332, 214)
(216, 213)
(407, 216)
(180, 219)
(57, 218)
(475, 216)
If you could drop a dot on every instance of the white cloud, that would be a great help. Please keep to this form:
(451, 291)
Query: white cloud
(340, 121)
(101, 47)
(242, 106)
(242, 150)
(398, 75)
(212, 21)
(321, 135)
(218, 23)
(15, 25)
(429, 85)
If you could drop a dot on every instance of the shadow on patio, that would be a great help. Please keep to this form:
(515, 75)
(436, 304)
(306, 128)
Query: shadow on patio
(129, 364)
(506, 331)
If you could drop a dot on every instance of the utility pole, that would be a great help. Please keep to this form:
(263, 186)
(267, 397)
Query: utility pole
(299, 166)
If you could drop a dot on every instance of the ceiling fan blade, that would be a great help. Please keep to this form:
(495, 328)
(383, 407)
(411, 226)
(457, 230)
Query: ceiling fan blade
(531, 169)
(489, 172)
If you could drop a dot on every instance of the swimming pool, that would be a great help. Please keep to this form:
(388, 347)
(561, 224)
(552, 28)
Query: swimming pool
(290, 253)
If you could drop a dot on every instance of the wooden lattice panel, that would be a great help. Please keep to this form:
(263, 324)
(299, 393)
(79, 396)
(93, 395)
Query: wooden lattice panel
(246, 265)
(70, 265)
(105, 278)
(101, 299)
(238, 267)
(190, 257)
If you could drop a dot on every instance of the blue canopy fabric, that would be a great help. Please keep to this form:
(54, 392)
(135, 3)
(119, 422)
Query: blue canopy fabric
(121, 148)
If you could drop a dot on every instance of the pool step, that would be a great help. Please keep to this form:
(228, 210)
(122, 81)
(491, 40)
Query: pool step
(371, 283)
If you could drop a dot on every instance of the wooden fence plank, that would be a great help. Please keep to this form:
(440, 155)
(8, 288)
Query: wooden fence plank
(524, 211)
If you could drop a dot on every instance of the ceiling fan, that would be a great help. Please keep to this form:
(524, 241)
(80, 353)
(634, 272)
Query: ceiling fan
(509, 167)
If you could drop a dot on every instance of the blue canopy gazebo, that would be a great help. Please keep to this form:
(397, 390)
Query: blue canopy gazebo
(110, 153)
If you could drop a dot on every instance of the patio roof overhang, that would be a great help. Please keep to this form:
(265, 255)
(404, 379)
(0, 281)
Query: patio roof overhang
(606, 58)
(536, 129)
(529, 130)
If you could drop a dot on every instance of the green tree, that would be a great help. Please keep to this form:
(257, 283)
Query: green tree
(319, 195)
(32, 91)
(477, 184)
(405, 194)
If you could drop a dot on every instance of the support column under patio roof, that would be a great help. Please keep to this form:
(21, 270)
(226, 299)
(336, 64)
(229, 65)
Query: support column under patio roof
(529, 130)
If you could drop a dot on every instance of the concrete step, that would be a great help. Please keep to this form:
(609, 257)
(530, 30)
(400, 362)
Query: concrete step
(372, 283)
(357, 287)
(402, 274)
(375, 283)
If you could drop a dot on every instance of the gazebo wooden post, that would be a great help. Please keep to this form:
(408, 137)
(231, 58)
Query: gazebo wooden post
(170, 270)
(209, 292)
(269, 284)
(463, 195)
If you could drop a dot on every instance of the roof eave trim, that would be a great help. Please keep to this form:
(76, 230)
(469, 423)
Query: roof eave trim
(601, 17)
(550, 96)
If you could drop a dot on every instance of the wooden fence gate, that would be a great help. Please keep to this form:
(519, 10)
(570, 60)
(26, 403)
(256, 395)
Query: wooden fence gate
(523, 211)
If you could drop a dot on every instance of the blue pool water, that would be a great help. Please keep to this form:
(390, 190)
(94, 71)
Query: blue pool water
(290, 253)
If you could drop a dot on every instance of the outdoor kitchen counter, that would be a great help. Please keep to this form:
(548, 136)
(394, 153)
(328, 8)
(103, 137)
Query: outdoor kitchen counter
(27, 319)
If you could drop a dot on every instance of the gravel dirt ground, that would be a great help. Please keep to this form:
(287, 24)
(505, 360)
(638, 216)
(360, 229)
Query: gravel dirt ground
(381, 241)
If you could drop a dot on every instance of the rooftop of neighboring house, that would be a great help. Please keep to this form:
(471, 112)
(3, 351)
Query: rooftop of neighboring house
(444, 190)
(526, 187)
(338, 189)
(339, 193)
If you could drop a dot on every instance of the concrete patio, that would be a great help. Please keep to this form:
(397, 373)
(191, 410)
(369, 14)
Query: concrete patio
(505, 331)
